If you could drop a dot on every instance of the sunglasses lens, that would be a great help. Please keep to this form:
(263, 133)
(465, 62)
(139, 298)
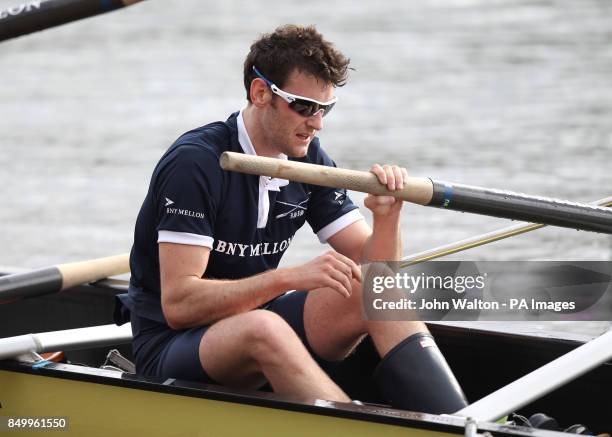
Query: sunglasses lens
(304, 107)
(327, 108)
(308, 109)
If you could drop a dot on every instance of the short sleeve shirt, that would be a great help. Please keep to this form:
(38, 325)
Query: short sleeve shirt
(247, 221)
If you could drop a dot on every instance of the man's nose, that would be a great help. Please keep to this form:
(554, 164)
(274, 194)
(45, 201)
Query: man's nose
(315, 121)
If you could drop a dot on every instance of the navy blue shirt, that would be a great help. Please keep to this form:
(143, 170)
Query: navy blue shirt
(247, 221)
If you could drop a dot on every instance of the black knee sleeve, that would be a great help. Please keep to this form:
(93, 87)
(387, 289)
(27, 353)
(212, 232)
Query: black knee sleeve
(415, 376)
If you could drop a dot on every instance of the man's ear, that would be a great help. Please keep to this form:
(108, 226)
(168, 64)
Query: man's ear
(260, 92)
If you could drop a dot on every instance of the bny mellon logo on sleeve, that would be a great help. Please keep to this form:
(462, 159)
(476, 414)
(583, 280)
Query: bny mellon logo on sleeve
(179, 211)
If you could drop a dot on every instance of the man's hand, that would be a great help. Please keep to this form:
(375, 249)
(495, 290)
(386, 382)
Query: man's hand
(393, 177)
(331, 269)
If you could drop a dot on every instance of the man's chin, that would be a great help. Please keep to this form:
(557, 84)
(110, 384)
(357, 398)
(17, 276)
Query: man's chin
(298, 151)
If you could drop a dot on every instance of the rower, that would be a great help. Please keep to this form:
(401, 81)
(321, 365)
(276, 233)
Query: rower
(207, 300)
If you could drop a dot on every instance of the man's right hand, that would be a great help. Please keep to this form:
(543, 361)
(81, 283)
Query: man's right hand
(331, 269)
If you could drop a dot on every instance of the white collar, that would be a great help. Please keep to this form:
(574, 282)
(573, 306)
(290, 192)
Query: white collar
(245, 140)
(265, 183)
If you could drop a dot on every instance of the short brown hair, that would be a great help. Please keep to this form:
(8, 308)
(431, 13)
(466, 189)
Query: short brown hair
(292, 47)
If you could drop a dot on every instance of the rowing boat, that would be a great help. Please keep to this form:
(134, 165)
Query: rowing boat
(97, 401)
(91, 398)
(484, 361)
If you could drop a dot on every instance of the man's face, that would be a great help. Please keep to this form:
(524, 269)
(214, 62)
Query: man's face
(286, 130)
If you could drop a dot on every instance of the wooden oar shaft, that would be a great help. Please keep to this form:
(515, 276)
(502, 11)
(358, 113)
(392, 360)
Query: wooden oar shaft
(31, 16)
(423, 191)
(60, 277)
(416, 190)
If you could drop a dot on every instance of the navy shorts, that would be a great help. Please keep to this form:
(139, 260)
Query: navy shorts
(165, 353)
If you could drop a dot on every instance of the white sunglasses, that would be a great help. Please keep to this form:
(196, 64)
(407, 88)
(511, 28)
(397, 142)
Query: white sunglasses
(302, 105)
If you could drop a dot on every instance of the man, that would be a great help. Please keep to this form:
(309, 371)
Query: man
(207, 301)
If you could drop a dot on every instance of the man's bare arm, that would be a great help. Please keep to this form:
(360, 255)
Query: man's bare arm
(383, 242)
(189, 300)
(362, 244)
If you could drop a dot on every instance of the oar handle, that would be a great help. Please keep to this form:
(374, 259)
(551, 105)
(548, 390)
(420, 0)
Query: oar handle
(81, 272)
(447, 195)
(57, 278)
(416, 190)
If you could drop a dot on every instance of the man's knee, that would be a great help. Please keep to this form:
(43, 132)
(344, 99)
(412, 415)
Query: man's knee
(270, 333)
(352, 308)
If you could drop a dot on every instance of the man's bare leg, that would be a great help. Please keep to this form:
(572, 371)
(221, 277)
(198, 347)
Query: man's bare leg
(412, 374)
(335, 325)
(246, 349)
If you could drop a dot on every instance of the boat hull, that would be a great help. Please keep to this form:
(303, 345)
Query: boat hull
(99, 402)
(482, 360)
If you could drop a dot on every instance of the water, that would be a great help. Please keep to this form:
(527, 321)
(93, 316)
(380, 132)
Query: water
(506, 94)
